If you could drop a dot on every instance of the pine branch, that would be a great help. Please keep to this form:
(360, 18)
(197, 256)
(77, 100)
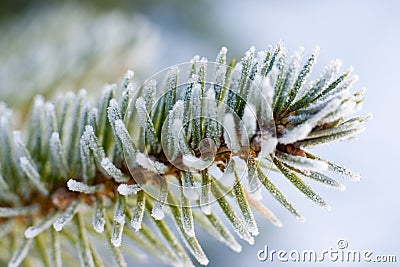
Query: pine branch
(176, 141)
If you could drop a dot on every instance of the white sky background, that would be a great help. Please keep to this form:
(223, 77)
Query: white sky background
(365, 34)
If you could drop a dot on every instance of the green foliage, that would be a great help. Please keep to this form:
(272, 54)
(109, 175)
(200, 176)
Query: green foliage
(78, 172)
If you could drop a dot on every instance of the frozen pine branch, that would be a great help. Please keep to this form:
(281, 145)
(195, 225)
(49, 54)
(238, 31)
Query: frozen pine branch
(142, 156)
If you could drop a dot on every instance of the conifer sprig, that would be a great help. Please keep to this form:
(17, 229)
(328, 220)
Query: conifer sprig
(195, 134)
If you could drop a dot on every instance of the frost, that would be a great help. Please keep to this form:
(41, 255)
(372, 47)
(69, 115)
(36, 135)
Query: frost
(90, 141)
(187, 216)
(172, 78)
(346, 85)
(230, 133)
(319, 177)
(205, 196)
(195, 59)
(220, 72)
(33, 231)
(276, 193)
(128, 78)
(119, 215)
(300, 185)
(6, 212)
(113, 171)
(244, 206)
(284, 92)
(172, 149)
(191, 242)
(347, 173)
(98, 219)
(149, 164)
(196, 105)
(210, 112)
(221, 53)
(50, 117)
(113, 112)
(138, 211)
(203, 61)
(149, 94)
(88, 165)
(220, 232)
(66, 217)
(297, 133)
(136, 225)
(74, 185)
(127, 144)
(58, 154)
(21, 146)
(347, 108)
(202, 70)
(302, 163)
(179, 138)
(267, 86)
(340, 136)
(145, 121)
(119, 222)
(157, 211)
(128, 189)
(234, 84)
(301, 131)
(141, 107)
(176, 143)
(209, 106)
(116, 236)
(253, 181)
(178, 109)
(230, 213)
(349, 125)
(33, 175)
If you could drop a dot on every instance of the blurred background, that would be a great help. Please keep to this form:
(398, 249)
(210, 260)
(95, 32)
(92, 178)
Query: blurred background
(47, 47)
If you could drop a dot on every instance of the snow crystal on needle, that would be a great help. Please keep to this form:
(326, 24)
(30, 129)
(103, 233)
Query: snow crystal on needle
(33, 231)
(141, 109)
(113, 171)
(301, 131)
(98, 221)
(128, 189)
(149, 164)
(157, 211)
(74, 185)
